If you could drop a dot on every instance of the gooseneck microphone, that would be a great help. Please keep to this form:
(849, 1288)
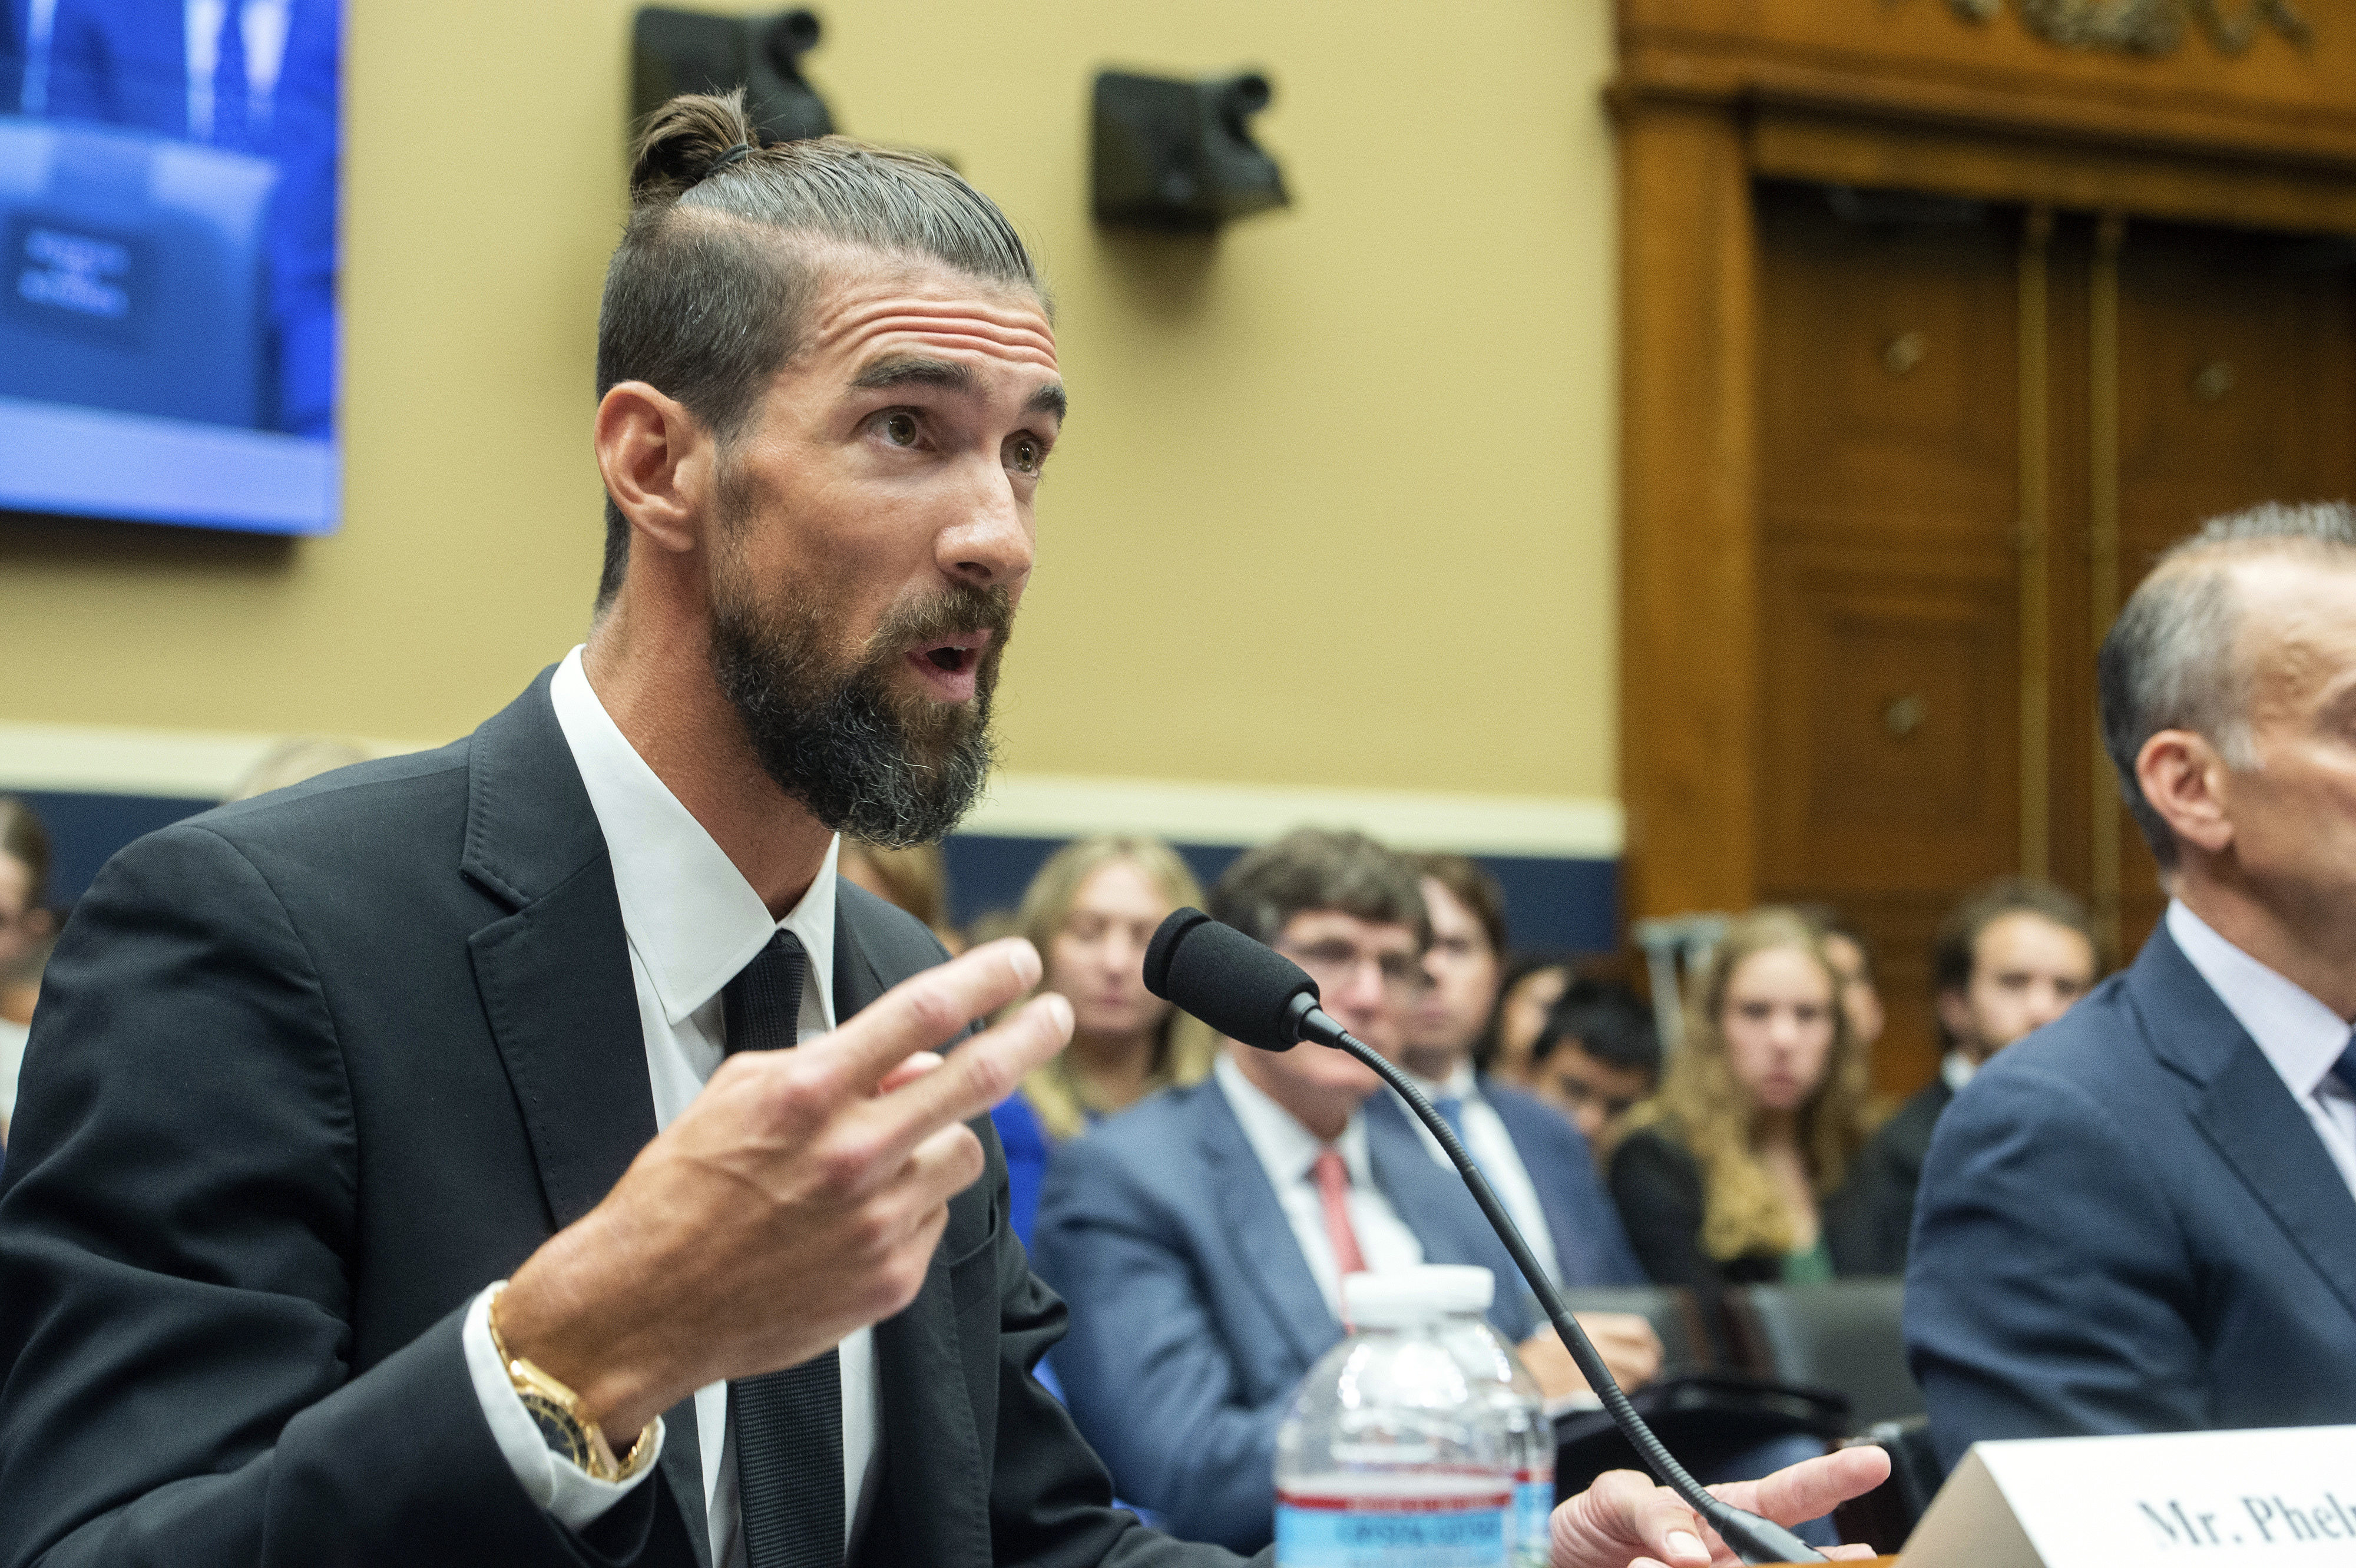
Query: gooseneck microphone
(1248, 992)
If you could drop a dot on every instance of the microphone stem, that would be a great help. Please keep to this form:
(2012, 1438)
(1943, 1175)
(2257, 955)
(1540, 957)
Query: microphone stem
(1753, 1539)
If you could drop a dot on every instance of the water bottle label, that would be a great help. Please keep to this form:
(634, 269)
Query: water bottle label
(1533, 1519)
(1458, 1530)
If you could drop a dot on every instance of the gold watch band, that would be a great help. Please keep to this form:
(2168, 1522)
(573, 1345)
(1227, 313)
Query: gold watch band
(560, 1414)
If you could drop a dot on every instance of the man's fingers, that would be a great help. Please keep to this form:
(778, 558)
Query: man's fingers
(925, 1012)
(1813, 1488)
(909, 1072)
(1622, 1515)
(982, 1071)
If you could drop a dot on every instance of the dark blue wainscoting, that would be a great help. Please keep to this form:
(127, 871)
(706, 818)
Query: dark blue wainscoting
(1552, 903)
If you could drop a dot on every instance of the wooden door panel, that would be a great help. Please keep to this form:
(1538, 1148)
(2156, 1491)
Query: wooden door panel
(1888, 374)
(2237, 378)
(1891, 741)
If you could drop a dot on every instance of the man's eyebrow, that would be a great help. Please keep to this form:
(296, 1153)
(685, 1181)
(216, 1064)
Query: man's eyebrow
(913, 371)
(1050, 399)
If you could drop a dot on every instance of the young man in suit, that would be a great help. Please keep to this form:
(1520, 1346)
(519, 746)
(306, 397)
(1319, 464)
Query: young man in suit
(2143, 1218)
(1200, 1238)
(527, 1153)
(1536, 1158)
(2008, 960)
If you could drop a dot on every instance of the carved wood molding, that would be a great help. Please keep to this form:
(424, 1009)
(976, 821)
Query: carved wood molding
(2149, 27)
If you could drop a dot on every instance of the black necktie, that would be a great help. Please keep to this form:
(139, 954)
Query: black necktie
(2344, 1070)
(789, 1424)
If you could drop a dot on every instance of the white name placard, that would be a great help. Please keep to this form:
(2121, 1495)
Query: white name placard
(2282, 1496)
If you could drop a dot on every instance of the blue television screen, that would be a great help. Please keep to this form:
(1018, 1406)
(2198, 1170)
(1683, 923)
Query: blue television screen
(168, 235)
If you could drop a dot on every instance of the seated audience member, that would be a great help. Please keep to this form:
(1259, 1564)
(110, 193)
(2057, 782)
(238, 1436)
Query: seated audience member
(1851, 957)
(2144, 1219)
(1530, 985)
(1540, 1167)
(2009, 958)
(1200, 1239)
(1090, 911)
(25, 926)
(1598, 1057)
(1721, 1175)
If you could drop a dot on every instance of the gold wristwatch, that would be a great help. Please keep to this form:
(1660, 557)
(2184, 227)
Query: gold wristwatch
(564, 1420)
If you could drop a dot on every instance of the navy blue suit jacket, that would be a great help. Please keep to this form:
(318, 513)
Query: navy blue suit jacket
(1589, 1243)
(1194, 1315)
(2127, 1224)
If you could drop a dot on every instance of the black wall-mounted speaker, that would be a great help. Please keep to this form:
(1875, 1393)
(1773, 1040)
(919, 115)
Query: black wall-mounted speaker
(690, 51)
(1177, 156)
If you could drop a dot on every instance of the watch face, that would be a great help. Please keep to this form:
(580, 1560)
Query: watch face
(557, 1429)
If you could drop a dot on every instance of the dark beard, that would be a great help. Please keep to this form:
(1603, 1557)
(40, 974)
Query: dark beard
(890, 769)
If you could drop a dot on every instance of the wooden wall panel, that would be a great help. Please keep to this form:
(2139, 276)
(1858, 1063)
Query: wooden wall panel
(1689, 707)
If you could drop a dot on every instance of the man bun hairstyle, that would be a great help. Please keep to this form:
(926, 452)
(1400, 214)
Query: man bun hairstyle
(728, 240)
(2168, 661)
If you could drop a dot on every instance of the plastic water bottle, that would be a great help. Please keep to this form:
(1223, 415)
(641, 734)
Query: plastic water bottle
(1529, 1435)
(1397, 1452)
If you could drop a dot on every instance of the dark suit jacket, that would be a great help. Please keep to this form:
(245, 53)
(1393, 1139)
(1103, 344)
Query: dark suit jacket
(313, 1069)
(1194, 1315)
(1588, 1242)
(2127, 1224)
(1870, 1219)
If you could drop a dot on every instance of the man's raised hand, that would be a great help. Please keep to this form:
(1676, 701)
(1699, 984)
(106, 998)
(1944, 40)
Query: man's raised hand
(798, 1199)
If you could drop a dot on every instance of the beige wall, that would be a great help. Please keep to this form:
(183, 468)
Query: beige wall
(1336, 506)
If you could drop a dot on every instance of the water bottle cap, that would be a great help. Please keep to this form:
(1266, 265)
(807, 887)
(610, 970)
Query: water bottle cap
(1398, 1297)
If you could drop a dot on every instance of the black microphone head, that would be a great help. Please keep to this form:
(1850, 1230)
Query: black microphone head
(1240, 987)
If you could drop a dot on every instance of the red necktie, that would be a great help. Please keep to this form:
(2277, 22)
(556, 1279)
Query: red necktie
(1333, 1179)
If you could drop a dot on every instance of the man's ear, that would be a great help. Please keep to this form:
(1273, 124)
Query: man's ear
(2186, 781)
(658, 465)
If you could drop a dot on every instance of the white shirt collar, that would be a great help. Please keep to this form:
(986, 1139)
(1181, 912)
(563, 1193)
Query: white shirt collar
(1957, 1069)
(1285, 1148)
(691, 918)
(2297, 1033)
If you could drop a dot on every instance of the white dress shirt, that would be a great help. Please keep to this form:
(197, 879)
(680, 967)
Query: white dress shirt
(13, 1036)
(1492, 1148)
(693, 922)
(1288, 1152)
(1957, 1068)
(2299, 1035)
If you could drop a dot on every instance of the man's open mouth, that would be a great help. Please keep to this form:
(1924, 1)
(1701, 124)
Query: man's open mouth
(955, 653)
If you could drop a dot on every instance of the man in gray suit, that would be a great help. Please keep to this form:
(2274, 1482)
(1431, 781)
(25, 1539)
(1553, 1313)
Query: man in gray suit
(2143, 1217)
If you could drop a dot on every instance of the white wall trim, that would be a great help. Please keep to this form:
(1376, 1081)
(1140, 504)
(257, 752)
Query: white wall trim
(202, 764)
(1043, 805)
(196, 765)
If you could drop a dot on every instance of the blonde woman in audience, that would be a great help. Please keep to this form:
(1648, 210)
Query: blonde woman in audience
(1723, 1174)
(1090, 911)
(25, 928)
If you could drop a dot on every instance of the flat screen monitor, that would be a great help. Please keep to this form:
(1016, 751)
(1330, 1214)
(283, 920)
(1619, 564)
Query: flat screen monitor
(168, 261)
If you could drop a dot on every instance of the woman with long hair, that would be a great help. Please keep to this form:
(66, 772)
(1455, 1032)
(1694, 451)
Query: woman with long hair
(1723, 1174)
(1090, 911)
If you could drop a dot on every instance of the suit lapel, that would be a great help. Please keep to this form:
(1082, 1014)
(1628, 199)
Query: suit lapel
(1255, 1224)
(554, 979)
(2247, 1113)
